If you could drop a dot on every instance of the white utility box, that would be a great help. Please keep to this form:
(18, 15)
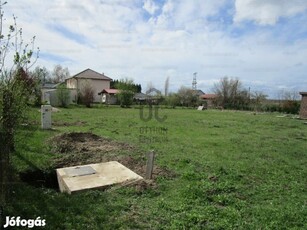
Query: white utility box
(46, 116)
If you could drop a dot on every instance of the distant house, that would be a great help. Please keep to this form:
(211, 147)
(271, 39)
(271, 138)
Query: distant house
(108, 96)
(47, 89)
(140, 98)
(50, 96)
(153, 92)
(198, 92)
(208, 100)
(90, 77)
(153, 96)
(303, 108)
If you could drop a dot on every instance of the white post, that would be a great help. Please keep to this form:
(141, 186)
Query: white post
(46, 116)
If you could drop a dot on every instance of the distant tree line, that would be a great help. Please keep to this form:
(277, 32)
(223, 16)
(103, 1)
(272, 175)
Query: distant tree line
(41, 76)
(57, 75)
(232, 95)
(117, 84)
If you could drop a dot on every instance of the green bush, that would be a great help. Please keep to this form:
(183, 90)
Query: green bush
(292, 107)
(125, 98)
(63, 95)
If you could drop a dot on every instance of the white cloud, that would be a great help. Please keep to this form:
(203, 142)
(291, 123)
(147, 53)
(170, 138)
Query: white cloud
(150, 6)
(180, 14)
(267, 12)
(176, 41)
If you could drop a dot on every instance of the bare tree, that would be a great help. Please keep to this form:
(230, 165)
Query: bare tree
(187, 96)
(257, 99)
(60, 74)
(291, 95)
(289, 102)
(150, 86)
(231, 94)
(87, 95)
(42, 74)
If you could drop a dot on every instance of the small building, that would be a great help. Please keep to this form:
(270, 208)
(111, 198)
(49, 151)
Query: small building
(47, 89)
(153, 96)
(208, 100)
(50, 94)
(108, 96)
(198, 92)
(97, 82)
(140, 98)
(153, 92)
(303, 108)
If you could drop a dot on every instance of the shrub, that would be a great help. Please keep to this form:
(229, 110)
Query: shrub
(127, 90)
(63, 95)
(292, 107)
(87, 95)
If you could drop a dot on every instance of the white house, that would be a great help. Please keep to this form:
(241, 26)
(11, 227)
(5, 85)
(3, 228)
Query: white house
(96, 80)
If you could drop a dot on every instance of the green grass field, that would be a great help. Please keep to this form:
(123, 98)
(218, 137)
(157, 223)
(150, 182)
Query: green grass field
(231, 170)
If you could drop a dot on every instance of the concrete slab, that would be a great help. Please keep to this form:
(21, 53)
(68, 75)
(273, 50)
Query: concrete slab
(94, 176)
(200, 108)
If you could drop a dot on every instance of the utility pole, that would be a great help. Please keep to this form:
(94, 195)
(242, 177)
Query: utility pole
(194, 82)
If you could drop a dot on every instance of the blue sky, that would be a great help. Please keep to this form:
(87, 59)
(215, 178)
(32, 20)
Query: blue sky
(261, 42)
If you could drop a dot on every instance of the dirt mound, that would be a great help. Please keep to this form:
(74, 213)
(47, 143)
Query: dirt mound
(78, 148)
(78, 142)
(65, 123)
(77, 137)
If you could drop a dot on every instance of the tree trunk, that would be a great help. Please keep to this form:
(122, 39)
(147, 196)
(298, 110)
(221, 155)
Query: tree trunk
(7, 146)
(9, 119)
(4, 168)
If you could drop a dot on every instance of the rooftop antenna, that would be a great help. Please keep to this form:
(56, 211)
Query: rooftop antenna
(194, 82)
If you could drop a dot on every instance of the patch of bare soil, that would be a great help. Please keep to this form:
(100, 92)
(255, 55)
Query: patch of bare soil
(61, 123)
(78, 148)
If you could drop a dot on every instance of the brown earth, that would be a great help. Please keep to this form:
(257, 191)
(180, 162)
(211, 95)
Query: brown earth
(61, 123)
(79, 148)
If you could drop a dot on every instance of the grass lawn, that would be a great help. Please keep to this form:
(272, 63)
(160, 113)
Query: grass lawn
(231, 170)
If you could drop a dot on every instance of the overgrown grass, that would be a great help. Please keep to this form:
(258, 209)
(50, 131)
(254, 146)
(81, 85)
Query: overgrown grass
(235, 170)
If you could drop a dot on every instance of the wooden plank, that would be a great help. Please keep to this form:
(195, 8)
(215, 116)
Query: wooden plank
(150, 164)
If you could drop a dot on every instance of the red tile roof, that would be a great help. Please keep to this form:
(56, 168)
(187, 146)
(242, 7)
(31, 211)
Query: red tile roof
(110, 91)
(208, 96)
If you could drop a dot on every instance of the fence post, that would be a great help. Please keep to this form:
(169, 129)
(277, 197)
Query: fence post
(150, 164)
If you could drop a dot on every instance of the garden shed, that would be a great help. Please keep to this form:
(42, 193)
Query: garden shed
(303, 109)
